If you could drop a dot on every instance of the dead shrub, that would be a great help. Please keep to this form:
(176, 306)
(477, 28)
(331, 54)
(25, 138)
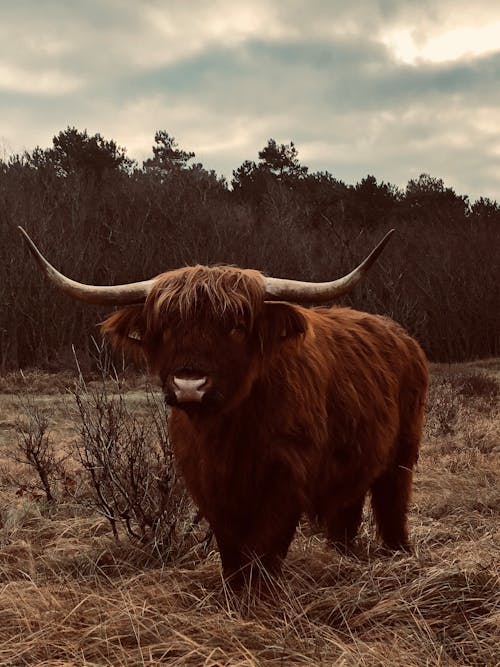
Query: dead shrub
(127, 458)
(442, 407)
(455, 390)
(34, 447)
(478, 388)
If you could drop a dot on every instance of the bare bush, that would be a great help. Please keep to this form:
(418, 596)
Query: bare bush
(127, 457)
(442, 407)
(477, 385)
(34, 447)
(455, 389)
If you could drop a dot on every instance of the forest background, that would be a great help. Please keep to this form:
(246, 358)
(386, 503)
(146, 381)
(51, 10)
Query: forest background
(101, 218)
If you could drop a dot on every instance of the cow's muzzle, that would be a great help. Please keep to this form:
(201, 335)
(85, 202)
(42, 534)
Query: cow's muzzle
(190, 390)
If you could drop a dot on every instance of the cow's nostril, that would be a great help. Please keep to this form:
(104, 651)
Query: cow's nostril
(185, 383)
(189, 389)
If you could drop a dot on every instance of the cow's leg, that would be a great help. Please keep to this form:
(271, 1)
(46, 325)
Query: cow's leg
(262, 550)
(273, 543)
(391, 491)
(261, 554)
(232, 563)
(254, 541)
(390, 499)
(343, 524)
(275, 518)
(265, 553)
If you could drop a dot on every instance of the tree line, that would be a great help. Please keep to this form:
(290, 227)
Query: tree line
(102, 218)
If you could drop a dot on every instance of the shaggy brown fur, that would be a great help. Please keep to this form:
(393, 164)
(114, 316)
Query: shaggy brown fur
(307, 410)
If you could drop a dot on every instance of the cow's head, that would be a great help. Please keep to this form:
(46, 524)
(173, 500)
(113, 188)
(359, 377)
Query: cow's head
(206, 330)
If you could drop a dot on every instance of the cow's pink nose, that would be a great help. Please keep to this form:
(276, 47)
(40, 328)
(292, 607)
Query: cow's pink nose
(190, 390)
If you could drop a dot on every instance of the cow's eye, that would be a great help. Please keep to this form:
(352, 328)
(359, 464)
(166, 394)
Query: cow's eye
(133, 334)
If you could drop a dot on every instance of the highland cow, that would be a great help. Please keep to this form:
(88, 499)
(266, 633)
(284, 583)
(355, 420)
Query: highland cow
(277, 410)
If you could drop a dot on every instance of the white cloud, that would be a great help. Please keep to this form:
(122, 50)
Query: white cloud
(43, 82)
(166, 33)
(452, 44)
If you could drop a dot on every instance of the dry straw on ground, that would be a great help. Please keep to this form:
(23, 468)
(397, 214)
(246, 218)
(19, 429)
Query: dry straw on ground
(71, 594)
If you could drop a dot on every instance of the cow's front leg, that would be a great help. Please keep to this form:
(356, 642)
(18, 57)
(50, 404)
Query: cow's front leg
(232, 563)
(276, 515)
(259, 556)
(254, 531)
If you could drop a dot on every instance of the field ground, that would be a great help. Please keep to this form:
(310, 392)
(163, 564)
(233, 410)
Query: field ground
(71, 594)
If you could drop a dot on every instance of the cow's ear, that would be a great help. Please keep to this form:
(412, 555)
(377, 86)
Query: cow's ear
(125, 328)
(280, 321)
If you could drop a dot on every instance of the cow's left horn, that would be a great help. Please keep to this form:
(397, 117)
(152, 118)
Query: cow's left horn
(110, 295)
(279, 289)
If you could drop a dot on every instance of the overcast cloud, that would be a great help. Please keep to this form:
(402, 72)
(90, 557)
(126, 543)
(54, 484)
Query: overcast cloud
(392, 88)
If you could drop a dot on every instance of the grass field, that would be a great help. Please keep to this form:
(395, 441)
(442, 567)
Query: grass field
(73, 594)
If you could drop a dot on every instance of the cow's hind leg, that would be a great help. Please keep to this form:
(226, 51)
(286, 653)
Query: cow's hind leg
(390, 498)
(343, 524)
(391, 491)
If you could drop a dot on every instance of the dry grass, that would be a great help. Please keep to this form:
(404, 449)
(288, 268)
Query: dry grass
(37, 382)
(72, 595)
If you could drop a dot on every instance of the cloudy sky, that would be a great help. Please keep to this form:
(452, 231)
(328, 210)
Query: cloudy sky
(393, 88)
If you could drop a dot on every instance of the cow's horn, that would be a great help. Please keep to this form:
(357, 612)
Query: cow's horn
(110, 295)
(279, 289)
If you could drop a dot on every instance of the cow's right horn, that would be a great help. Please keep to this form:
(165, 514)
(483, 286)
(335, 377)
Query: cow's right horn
(109, 295)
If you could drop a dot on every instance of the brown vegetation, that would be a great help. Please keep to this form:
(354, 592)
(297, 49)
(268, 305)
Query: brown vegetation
(74, 594)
